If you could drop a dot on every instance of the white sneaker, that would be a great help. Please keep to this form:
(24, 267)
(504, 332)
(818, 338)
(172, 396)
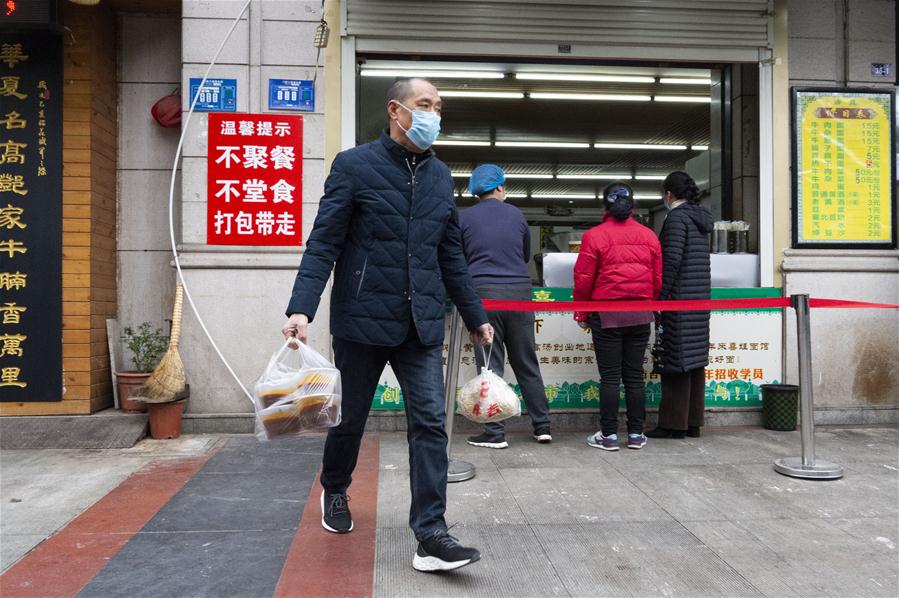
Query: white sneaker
(544, 438)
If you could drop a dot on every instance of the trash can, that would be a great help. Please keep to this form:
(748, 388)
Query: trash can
(780, 405)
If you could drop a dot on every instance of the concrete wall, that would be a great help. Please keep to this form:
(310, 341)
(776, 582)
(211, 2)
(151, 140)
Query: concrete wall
(855, 355)
(149, 68)
(241, 292)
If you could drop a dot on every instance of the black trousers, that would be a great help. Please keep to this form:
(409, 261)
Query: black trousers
(513, 333)
(419, 370)
(683, 400)
(619, 355)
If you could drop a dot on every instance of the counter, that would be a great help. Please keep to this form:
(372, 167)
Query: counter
(734, 270)
(745, 351)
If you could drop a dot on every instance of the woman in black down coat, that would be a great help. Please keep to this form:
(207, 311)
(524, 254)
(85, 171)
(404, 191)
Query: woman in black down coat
(686, 274)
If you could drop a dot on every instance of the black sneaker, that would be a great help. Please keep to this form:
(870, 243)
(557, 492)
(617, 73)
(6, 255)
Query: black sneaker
(443, 553)
(336, 512)
(660, 432)
(543, 436)
(486, 440)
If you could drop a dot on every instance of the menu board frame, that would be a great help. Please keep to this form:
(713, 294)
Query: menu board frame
(798, 193)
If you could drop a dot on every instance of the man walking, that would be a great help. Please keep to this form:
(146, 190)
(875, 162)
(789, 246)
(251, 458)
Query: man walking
(388, 219)
(497, 245)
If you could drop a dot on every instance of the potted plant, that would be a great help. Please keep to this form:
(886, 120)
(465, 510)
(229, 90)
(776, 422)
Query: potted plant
(147, 346)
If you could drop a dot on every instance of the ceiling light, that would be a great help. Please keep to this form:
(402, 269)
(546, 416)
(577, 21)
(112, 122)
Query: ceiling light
(433, 74)
(595, 97)
(467, 193)
(561, 196)
(462, 175)
(645, 196)
(500, 95)
(685, 81)
(541, 144)
(687, 99)
(576, 77)
(639, 146)
(462, 142)
(651, 177)
(701, 148)
(595, 177)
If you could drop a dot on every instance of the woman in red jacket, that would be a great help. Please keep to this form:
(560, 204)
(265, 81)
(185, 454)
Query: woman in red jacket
(620, 259)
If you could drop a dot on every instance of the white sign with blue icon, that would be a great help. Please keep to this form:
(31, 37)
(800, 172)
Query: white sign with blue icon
(291, 94)
(216, 95)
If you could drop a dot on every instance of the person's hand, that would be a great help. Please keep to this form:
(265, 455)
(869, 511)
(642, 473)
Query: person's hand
(296, 328)
(583, 324)
(483, 336)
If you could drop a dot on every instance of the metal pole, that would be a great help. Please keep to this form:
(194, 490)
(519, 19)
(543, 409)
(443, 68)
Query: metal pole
(458, 471)
(806, 388)
(806, 466)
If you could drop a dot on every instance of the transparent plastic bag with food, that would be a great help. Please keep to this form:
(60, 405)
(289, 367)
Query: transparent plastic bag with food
(299, 392)
(487, 397)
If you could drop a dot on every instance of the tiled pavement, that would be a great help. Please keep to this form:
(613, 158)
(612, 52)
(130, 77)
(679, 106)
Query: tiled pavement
(694, 517)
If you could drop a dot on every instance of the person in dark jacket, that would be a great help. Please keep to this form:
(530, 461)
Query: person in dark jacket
(497, 244)
(388, 219)
(620, 259)
(686, 274)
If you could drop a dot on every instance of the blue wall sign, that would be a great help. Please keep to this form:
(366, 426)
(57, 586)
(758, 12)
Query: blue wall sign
(217, 95)
(881, 69)
(291, 94)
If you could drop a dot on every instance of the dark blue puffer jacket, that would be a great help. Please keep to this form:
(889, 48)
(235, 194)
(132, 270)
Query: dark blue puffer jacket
(388, 219)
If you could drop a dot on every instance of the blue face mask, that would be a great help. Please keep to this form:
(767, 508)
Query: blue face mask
(425, 128)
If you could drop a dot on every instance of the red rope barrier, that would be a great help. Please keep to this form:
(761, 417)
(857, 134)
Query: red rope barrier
(842, 304)
(681, 305)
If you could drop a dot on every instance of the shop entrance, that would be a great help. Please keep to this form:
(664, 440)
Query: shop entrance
(563, 131)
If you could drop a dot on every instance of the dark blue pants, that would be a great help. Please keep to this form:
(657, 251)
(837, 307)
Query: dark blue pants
(419, 369)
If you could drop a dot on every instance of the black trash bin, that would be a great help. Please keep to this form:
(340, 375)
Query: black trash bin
(780, 405)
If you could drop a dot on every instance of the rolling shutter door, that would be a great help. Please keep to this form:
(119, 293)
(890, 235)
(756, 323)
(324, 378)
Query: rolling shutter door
(697, 30)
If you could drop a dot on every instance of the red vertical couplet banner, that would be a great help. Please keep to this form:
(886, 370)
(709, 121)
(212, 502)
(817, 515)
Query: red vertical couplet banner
(255, 179)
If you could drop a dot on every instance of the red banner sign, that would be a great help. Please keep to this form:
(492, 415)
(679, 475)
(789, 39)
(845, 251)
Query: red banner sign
(255, 179)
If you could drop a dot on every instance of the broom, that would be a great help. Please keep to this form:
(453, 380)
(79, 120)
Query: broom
(167, 383)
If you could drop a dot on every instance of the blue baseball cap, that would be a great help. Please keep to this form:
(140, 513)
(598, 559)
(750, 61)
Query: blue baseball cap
(485, 178)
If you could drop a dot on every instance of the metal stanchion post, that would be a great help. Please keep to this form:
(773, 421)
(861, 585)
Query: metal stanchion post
(459, 471)
(806, 466)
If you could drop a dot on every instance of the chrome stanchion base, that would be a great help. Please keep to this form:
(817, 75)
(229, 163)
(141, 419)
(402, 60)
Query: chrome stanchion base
(459, 471)
(821, 470)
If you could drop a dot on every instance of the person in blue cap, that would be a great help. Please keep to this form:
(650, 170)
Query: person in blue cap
(497, 245)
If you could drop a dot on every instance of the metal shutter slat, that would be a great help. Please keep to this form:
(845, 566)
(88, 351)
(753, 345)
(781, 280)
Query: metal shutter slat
(720, 29)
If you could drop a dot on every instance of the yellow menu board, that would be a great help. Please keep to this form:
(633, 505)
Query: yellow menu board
(843, 168)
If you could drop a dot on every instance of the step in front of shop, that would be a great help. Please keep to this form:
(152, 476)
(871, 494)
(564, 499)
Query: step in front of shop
(108, 429)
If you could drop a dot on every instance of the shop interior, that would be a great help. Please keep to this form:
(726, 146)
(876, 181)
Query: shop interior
(564, 131)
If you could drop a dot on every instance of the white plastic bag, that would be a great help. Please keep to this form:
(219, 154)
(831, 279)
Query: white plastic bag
(487, 397)
(298, 392)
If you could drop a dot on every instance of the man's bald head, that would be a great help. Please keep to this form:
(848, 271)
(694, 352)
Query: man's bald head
(403, 89)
